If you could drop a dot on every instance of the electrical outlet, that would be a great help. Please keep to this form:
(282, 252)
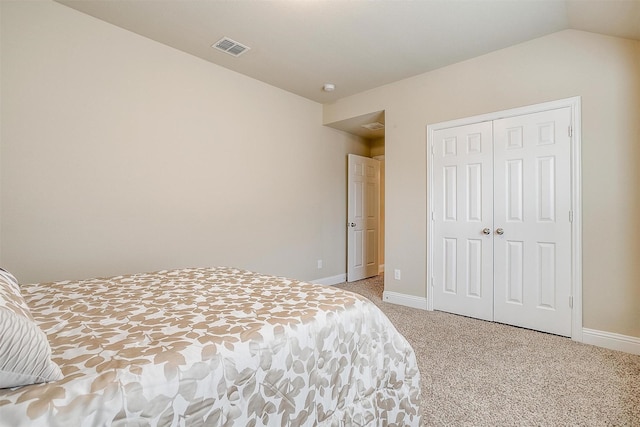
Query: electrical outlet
(319, 263)
(397, 274)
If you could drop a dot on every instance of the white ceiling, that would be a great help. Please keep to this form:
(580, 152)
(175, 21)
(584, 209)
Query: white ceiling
(357, 45)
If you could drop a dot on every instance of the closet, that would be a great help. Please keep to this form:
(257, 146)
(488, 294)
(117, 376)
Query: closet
(501, 219)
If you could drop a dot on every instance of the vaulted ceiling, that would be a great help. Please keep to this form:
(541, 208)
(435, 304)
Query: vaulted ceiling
(356, 45)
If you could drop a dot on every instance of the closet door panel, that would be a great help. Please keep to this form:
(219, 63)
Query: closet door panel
(532, 235)
(463, 253)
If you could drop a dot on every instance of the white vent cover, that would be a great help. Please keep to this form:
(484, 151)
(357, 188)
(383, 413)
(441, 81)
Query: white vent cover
(373, 126)
(229, 46)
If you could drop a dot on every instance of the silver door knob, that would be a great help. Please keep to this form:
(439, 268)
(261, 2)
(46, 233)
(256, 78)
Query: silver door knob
(499, 231)
(486, 231)
(352, 224)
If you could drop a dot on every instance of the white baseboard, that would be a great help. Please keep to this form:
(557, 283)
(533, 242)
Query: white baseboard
(333, 280)
(611, 341)
(406, 300)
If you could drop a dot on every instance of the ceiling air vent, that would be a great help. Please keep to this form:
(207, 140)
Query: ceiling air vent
(229, 46)
(373, 126)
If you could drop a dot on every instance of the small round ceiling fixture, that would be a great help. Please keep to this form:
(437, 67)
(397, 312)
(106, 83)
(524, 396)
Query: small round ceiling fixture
(329, 87)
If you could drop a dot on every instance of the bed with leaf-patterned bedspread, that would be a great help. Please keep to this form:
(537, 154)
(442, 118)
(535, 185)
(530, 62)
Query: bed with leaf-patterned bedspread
(214, 347)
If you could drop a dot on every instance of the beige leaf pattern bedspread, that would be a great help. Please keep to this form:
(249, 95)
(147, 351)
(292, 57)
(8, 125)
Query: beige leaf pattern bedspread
(215, 347)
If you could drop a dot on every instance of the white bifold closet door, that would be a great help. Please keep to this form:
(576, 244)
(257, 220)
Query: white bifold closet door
(463, 208)
(502, 230)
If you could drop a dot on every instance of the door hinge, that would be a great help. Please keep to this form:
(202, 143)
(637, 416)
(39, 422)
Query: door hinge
(570, 216)
(432, 283)
(433, 217)
(570, 131)
(571, 301)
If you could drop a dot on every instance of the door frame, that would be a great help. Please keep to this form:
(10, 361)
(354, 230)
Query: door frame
(574, 103)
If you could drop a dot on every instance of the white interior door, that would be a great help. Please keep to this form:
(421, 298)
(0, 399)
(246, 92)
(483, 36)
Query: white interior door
(463, 217)
(532, 204)
(362, 217)
(502, 227)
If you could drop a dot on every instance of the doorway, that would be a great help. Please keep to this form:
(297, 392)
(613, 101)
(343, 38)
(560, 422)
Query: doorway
(365, 250)
(363, 217)
(365, 213)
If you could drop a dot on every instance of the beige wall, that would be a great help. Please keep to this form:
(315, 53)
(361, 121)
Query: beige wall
(605, 72)
(377, 147)
(120, 155)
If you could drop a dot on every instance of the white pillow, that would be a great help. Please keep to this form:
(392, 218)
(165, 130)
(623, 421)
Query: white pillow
(8, 277)
(25, 355)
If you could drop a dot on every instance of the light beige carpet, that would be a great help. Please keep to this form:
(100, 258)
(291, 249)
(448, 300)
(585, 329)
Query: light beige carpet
(477, 373)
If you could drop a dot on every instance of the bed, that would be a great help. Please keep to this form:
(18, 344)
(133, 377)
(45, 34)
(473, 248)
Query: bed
(200, 347)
